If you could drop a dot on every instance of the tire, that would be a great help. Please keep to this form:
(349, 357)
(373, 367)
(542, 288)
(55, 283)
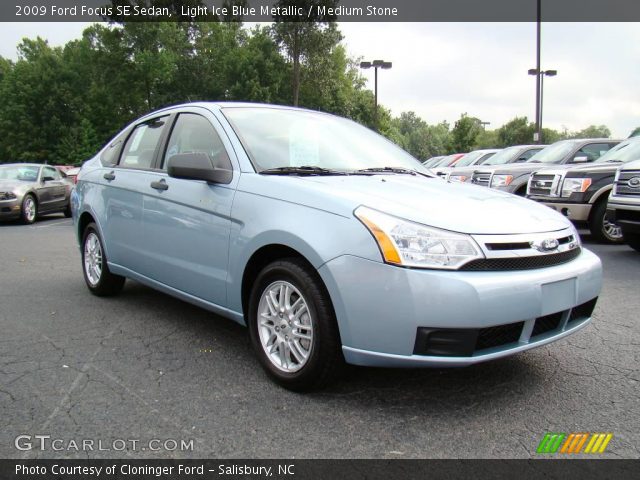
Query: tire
(633, 240)
(29, 210)
(602, 230)
(314, 333)
(99, 279)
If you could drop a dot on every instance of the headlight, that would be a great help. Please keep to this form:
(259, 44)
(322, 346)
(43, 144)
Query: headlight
(7, 196)
(414, 245)
(458, 178)
(573, 185)
(501, 180)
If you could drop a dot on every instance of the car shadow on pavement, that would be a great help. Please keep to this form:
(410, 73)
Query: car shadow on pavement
(44, 220)
(451, 389)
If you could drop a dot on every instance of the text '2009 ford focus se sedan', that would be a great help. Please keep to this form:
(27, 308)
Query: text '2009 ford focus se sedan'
(329, 242)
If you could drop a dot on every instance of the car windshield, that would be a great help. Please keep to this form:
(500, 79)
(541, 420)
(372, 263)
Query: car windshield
(622, 153)
(553, 153)
(445, 161)
(25, 173)
(469, 159)
(503, 156)
(277, 138)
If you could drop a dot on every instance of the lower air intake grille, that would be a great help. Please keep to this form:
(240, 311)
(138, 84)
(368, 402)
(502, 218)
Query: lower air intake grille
(522, 263)
(498, 335)
(546, 324)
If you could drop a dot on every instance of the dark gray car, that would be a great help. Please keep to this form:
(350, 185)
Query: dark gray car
(513, 178)
(28, 190)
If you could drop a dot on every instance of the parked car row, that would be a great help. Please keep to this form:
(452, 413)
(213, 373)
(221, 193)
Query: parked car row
(573, 177)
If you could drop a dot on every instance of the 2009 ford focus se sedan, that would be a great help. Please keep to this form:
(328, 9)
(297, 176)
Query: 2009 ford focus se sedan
(329, 242)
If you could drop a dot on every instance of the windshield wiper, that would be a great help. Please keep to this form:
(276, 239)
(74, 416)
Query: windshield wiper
(613, 160)
(301, 170)
(398, 170)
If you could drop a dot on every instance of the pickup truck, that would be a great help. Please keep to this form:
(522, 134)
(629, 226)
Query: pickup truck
(624, 203)
(580, 192)
(513, 178)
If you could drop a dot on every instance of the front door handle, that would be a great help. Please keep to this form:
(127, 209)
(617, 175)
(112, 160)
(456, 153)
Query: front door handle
(109, 176)
(160, 185)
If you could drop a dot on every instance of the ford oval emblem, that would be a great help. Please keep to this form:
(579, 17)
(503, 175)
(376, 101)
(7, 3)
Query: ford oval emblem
(546, 245)
(634, 182)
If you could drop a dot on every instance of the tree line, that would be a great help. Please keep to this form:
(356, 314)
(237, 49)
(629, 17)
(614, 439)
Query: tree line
(61, 104)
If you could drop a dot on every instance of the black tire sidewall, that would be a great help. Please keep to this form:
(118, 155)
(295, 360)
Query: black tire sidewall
(323, 321)
(596, 224)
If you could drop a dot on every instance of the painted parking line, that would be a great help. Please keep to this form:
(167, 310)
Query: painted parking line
(54, 223)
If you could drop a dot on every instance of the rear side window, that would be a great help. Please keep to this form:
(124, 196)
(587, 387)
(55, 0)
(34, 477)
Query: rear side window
(139, 151)
(193, 133)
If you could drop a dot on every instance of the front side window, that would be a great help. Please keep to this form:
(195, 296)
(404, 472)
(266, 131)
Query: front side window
(140, 149)
(50, 173)
(281, 138)
(193, 133)
(593, 151)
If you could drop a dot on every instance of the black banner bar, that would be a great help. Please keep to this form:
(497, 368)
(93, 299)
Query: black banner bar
(344, 10)
(317, 469)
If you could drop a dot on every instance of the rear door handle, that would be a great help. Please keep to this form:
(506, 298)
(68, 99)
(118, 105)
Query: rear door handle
(160, 185)
(109, 176)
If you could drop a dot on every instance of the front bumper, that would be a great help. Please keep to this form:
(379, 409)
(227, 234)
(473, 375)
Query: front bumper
(381, 308)
(625, 215)
(9, 209)
(577, 212)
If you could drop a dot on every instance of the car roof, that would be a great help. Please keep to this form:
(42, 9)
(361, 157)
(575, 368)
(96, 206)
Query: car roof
(20, 164)
(221, 105)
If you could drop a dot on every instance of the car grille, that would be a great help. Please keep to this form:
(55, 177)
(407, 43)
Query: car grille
(467, 342)
(622, 186)
(499, 335)
(481, 179)
(546, 324)
(546, 185)
(522, 263)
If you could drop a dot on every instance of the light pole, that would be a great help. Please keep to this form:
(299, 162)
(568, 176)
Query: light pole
(376, 64)
(540, 74)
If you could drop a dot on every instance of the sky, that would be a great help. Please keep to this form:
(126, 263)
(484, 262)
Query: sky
(441, 70)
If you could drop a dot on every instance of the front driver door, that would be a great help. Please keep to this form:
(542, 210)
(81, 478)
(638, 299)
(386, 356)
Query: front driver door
(187, 222)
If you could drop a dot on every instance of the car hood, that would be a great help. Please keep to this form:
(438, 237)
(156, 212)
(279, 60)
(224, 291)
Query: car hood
(517, 168)
(430, 201)
(13, 185)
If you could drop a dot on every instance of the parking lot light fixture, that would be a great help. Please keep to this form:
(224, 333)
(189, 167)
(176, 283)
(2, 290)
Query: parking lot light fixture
(376, 64)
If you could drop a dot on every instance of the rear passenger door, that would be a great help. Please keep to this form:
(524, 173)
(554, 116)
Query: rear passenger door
(187, 222)
(124, 184)
(52, 190)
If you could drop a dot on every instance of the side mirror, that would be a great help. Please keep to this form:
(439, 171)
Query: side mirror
(521, 159)
(580, 159)
(198, 166)
(47, 179)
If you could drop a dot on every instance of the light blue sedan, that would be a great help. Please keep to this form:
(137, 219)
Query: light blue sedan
(329, 242)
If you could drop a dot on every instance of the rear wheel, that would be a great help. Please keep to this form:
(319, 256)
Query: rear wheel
(633, 240)
(292, 326)
(602, 228)
(97, 276)
(29, 211)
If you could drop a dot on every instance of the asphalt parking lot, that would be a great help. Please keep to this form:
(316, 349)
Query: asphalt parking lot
(146, 366)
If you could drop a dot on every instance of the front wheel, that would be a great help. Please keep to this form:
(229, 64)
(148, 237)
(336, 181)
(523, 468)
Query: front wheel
(99, 279)
(602, 228)
(633, 240)
(29, 211)
(292, 326)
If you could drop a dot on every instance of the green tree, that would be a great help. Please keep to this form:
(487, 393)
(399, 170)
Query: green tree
(592, 131)
(305, 39)
(635, 132)
(518, 131)
(464, 133)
